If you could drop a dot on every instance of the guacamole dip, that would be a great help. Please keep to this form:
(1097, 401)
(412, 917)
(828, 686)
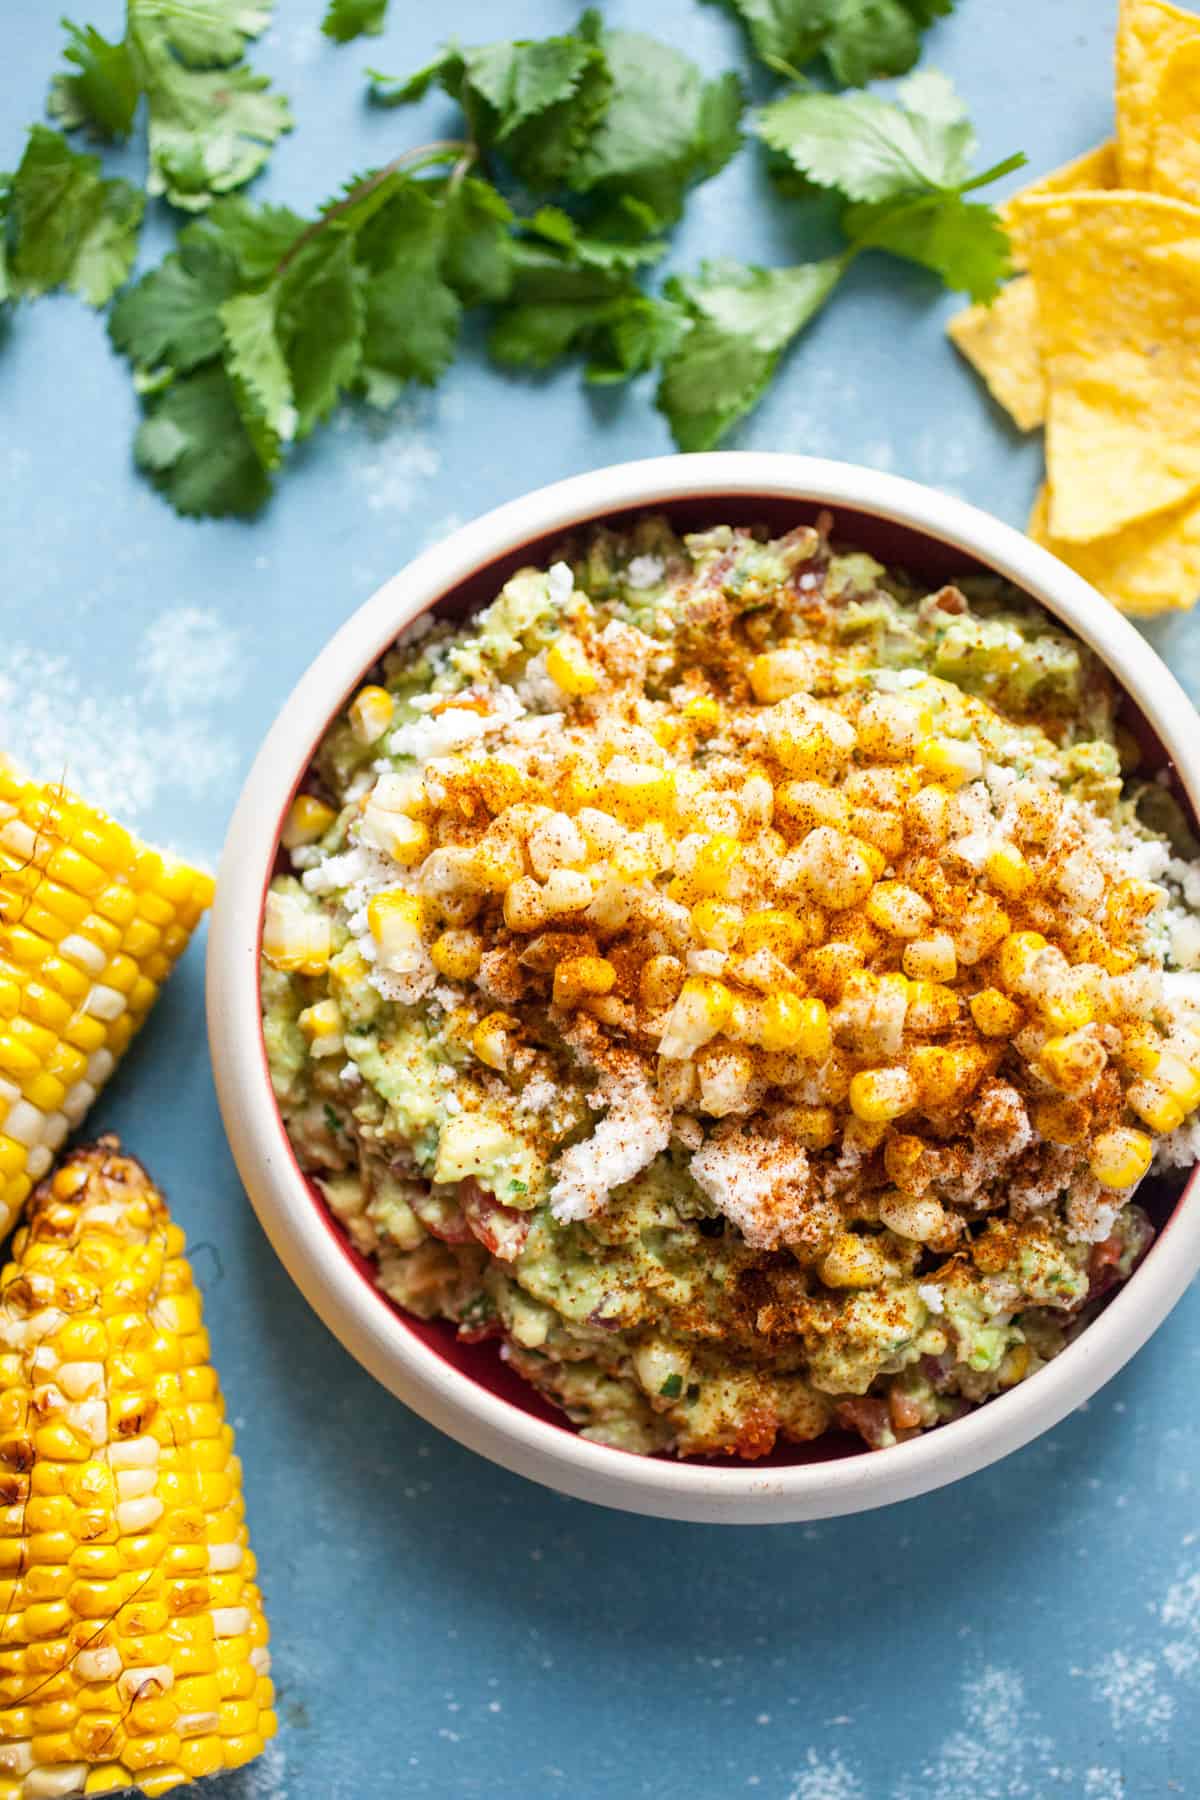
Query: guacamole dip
(749, 987)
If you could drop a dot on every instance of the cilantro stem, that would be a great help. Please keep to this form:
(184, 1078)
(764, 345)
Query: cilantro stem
(1016, 161)
(463, 152)
(781, 66)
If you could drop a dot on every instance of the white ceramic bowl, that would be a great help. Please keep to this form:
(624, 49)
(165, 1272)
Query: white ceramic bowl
(470, 1395)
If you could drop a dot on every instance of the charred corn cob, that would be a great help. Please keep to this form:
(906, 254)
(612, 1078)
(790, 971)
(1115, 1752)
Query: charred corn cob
(133, 1647)
(91, 922)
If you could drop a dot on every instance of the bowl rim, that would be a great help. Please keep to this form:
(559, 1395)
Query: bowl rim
(354, 1309)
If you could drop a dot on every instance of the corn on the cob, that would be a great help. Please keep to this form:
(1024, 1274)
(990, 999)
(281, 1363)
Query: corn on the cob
(91, 922)
(133, 1643)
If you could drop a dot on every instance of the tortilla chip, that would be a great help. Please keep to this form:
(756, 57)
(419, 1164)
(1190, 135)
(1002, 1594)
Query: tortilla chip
(1151, 567)
(1175, 146)
(1000, 340)
(1093, 169)
(1118, 290)
(1148, 33)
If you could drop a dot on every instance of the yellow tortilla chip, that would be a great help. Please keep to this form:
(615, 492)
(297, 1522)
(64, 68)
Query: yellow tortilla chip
(1175, 146)
(1151, 567)
(1093, 169)
(1000, 341)
(1148, 33)
(1118, 291)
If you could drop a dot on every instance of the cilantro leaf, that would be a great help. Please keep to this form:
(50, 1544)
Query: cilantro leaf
(205, 33)
(321, 327)
(664, 127)
(211, 120)
(346, 19)
(558, 305)
(412, 313)
(172, 315)
(254, 238)
(537, 102)
(195, 448)
(210, 130)
(860, 39)
(389, 90)
(742, 321)
(258, 373)
(872, 149)
(477, 241)
(102, 92)
(962, 241)
(70, 227)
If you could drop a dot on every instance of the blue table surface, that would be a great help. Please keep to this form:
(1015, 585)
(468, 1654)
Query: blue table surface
(441, 1627)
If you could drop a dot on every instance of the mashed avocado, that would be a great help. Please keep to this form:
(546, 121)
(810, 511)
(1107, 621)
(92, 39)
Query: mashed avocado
(741, 982)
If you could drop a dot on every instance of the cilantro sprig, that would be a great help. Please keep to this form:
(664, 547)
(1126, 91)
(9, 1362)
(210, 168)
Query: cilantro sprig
(902, 169)
(210, 120)
(241, 350)
(860, 40)
(549, 207)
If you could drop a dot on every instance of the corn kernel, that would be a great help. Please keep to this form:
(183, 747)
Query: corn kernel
(660, 981)
(456, 954)
(580, 977)
(812, 1127)
(703, 713)
(711, 871)
(877, 1095)
(1008, 871)
(308, 819)
(717, 924)
(773, 929)
(932, 1007)
(637, 792)
(1141, 1048)
(852, 1261)
(700, 1012)
(405, 840)
(951, 761)
(777, 674)
(1066, 1006)
(910, 1216)
(1128, 905)
(995, 1015)
(888, 727)
(1061, 1120)
(569, 669)
(789, 1022)
(321, 1021)
(295, 936)
(1121, 1157)
(833, 868)
(927, 814)
(945, 1075)
(491, 1037)
(1073, 1062)
(1016, 954)
(898, 910)
(370, 714)
(930, 958)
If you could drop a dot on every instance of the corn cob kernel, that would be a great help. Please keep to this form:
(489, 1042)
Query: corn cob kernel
(135, 1643)
(91, 922)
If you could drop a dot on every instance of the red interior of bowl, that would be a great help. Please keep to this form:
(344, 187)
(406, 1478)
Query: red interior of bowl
(899, 546)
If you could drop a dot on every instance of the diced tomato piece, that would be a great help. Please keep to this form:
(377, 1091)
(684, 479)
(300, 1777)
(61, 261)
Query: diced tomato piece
(906, 1413)
(1104, 1265)
(869, 1418)
(756, 1435)
(501, 1229)
(442, 1217)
